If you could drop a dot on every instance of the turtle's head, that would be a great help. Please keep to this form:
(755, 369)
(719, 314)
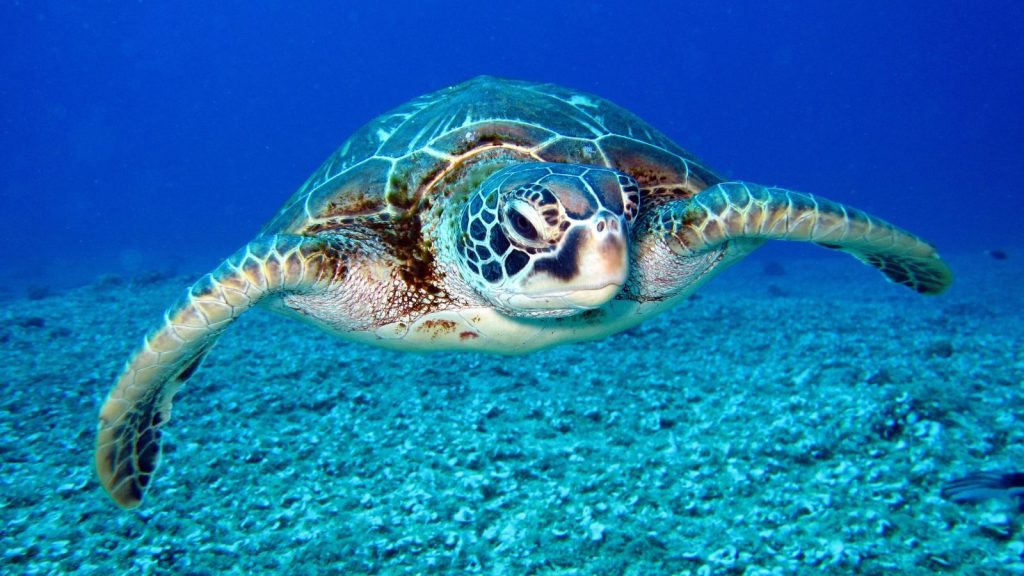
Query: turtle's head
(543, 239)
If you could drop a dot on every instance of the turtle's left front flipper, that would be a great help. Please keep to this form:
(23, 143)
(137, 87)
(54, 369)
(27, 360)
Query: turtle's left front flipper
(128, 440)
(747, 214)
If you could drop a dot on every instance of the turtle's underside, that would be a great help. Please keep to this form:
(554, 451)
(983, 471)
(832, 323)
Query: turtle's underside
(495, 215)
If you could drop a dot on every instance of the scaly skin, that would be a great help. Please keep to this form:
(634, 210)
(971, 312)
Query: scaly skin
(740, 211)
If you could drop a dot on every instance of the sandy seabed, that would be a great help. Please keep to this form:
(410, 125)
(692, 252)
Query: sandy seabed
(785, 421)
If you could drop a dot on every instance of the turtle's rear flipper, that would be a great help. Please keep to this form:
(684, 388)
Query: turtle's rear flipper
(128, 440)
(741, 211)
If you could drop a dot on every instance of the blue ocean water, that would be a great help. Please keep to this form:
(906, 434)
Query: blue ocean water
(144, 134)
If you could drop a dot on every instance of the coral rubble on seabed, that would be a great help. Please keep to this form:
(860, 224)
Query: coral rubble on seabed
(801, 422)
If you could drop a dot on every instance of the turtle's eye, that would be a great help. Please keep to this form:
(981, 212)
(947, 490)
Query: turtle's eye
(524, 224)
(521, 224)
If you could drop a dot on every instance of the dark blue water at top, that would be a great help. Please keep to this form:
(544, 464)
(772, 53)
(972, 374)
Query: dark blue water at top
(135, 133)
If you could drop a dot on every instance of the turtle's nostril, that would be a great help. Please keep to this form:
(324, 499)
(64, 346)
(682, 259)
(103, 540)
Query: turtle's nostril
(607, 223)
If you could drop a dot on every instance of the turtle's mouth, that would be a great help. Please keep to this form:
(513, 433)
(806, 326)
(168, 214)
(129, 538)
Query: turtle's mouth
(576, 299)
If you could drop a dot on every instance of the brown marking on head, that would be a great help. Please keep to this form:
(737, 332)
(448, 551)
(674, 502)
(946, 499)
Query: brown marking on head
(612, 250)
(467, 335)
(570, 193)
(606, 185)
(565, 263)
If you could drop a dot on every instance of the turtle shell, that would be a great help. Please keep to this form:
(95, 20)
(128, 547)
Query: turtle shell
(444, 144)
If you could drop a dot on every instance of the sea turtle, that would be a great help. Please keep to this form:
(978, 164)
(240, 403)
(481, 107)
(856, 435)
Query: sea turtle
(496, 215)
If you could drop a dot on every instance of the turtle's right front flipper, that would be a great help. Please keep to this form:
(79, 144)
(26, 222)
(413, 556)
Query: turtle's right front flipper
(741, 216)
(128, 440)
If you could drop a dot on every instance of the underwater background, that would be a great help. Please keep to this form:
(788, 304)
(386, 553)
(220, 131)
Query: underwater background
(155, 133)
(799, 416)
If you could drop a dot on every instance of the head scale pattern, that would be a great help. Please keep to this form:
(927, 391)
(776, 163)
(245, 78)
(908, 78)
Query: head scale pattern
(536, 236)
